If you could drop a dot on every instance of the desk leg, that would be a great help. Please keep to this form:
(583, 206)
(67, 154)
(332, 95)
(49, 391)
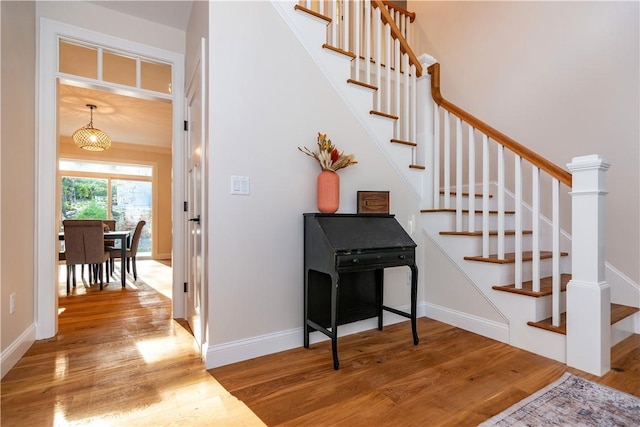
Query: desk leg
(414, 303)
(306, 308)
(379, 278)
(123, 255)
(335, 283)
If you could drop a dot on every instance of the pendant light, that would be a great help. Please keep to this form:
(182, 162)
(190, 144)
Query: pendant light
(90, 138)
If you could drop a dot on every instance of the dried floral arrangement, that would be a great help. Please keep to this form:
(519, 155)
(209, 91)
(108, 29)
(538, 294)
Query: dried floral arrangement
(329, 157)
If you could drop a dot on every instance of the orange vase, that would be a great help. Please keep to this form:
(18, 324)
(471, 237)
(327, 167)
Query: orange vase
(328, 191)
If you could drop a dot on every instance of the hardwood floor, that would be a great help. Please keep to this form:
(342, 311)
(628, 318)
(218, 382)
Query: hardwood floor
(120, 360)
(452, 378)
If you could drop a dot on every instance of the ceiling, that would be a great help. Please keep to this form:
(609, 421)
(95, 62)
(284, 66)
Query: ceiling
(126, 119)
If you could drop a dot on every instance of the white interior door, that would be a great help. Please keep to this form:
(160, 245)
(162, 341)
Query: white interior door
(195, 195)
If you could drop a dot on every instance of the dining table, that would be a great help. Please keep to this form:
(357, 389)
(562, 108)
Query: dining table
(121, 235)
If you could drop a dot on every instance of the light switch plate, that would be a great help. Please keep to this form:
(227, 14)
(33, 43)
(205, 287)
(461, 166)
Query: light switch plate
(240, 185)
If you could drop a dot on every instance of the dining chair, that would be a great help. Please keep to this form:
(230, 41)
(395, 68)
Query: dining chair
(131, 251)
(107, 225)
(84, 244)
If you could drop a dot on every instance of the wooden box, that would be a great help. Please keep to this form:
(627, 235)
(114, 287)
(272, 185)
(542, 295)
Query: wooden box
(373, 202)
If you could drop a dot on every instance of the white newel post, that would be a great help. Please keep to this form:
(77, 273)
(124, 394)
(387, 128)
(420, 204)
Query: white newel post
(588, 294)
(424, 128)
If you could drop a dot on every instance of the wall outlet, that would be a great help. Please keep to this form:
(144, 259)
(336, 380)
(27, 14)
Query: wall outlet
(12, 303)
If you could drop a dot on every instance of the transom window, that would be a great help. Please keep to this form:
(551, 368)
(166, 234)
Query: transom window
(120, 68)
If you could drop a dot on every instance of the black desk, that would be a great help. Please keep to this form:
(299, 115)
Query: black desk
(123, 236)
(344, 259)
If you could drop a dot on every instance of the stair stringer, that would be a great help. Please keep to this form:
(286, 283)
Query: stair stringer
(311, 32)
(516, 309)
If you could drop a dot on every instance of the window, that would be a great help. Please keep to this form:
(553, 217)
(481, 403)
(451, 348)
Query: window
(96, 190)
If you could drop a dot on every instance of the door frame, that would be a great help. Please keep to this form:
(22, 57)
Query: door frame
(46, 273)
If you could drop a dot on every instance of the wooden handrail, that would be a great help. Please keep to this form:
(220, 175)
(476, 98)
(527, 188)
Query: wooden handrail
(396, 34)
(411, 15)
(502, 139)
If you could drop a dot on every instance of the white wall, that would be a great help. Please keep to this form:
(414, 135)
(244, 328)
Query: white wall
(18, 179)
(267, 97)
(559, 77)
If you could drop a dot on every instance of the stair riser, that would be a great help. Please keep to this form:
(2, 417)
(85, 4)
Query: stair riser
(625, 328)
(449, 222)
(507, 272)
(475, 243)
(544, 306)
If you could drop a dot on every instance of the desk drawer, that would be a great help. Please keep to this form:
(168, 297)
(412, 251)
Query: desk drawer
(378, 259)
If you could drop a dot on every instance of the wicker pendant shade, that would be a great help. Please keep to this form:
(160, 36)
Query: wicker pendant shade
(90, 138)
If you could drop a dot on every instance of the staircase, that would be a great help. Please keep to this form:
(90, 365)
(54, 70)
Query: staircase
(503, 235)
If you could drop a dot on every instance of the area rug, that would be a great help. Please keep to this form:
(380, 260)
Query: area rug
(572, 401)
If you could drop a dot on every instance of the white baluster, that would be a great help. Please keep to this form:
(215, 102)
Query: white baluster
(485, 196)
(396, 108)
(535, 227)
(377, 22)
(320, 7)
(447, 159)
(387, 69)
(407, 25)
(518, 221)
(436, 156)
(367, 41)
(335, 21)
(409, 90)
(555, 284)
(396, 47)
(458, 174)
(345, 25)
(472, 180)
(500, 201)
(412, 93)
(357, 30)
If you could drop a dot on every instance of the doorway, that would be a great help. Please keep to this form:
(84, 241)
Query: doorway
(47, 154)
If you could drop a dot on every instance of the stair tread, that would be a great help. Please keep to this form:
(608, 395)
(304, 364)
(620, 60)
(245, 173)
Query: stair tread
(382, 114)
(465, 194)
(363, 84)
(618, 312)
(478, 211)
(400, 141)
(312, 12)
(510, 257)
(338, 50)
(417, 167)
(527, 287)
(479, 233)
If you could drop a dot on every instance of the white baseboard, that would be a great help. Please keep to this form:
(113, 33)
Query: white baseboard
(12, 354)
(478, 325)
(237, 351)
